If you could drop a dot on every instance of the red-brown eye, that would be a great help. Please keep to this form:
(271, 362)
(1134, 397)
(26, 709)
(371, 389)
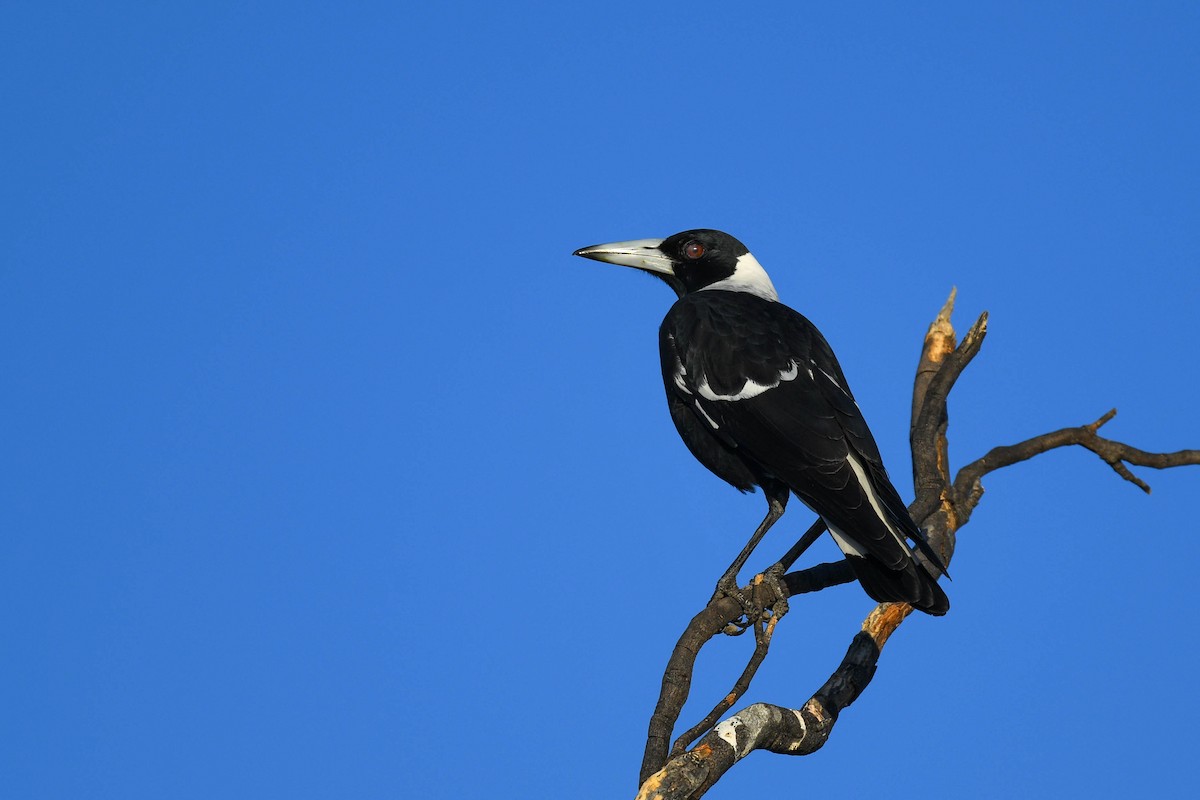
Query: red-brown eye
(693, 250)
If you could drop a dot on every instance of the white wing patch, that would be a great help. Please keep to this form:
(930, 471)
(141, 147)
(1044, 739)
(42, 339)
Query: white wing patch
(680, 371)
(844, 542)
(847, 545)
(704, 414)
(832, 380)
(681, 377)
(873, 498)
(749, 388)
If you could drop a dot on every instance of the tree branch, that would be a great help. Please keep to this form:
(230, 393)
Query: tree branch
(787, 731)
(939, 367)
(762, 642)
(720, 611)
(941, 507)
(927, 436)
(940, 341)
(968, 490)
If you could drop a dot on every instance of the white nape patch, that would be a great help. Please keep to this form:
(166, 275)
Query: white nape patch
(748, 276)
(750, 388)
(869, 491)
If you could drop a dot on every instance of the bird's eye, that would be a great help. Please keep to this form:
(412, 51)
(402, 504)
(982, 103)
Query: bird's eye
(693, 250)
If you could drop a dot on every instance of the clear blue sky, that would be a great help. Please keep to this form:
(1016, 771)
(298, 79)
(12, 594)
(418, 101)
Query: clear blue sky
(328, 472)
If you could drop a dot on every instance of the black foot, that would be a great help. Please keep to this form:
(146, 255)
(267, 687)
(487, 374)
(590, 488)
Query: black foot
(773, 578)
(751, 611)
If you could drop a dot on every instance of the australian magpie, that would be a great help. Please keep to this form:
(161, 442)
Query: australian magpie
(760, 400)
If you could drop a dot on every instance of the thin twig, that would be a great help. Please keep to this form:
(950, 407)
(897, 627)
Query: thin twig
(762, 643)
(968, 489)
(942, 508)
(677, 677)
(763, 726)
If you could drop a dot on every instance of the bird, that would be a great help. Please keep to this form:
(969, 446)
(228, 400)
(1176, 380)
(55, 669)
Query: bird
(759, 399)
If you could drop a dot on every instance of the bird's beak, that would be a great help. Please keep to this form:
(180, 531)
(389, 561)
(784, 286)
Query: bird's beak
(639, 253)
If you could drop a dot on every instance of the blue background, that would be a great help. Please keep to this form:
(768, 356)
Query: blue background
(328, 472)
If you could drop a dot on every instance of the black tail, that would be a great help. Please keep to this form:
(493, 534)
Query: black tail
(912, 584)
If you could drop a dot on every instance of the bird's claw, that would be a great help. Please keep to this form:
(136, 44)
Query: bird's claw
(752, 612)
(773, 577)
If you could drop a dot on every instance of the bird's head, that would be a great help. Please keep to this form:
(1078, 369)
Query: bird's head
(690, 261)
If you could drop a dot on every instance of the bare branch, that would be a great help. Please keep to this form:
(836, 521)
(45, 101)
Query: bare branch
(940, 507)
(677, 677)
(930, 472)
(716, 616)
(940, 341)
(822, 576)
(968, 490)
(762, 643)
(781, 730)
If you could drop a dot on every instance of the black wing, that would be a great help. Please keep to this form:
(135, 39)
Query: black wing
(768, 387)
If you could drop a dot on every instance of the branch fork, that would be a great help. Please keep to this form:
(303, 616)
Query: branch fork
(942, 506)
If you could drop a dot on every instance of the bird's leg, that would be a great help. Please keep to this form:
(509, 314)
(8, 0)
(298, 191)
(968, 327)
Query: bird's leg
(811, 535)
(777, 498)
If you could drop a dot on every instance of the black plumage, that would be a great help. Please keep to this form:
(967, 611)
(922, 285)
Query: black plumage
(759, 398)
